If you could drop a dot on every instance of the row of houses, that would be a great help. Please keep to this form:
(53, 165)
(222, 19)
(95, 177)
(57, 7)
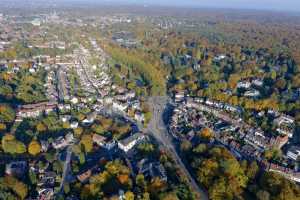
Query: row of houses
(34, 110)
(243, 140)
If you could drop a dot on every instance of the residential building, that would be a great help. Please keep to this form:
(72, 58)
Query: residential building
(293, 153)
(128, 143)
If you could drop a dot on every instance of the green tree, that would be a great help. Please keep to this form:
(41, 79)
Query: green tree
(87, 143)
(7, 114)
(11, 145)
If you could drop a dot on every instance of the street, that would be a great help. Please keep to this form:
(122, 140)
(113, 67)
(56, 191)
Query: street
(157, 129)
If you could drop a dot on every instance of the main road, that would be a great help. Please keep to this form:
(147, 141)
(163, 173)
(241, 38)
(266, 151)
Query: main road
(157, 129)
(66, 169)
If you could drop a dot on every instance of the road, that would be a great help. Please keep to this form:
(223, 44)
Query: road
(157, 129)
(66, 169)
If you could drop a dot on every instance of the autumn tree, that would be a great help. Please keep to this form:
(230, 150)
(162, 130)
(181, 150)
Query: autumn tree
(34, 147)
(87, 143)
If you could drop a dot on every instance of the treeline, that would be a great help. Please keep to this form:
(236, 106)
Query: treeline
(143, 64)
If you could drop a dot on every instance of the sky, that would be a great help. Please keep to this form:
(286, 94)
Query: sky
(281, 5)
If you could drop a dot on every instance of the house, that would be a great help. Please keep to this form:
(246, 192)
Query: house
(16, 168)
(32, 70)
(284, 119)
(36, 22)
(120, 106)
(244, 84)
(84, 177)
(34, 110)
(257, 82)
(103, 142)
(59, 143)
(128, 143)
(47, 179)
(99, 140)
(293, 153)
(74, 124)
(179, 96)
(284, 131)
(252, 93)
(108, 100)
(65, 118)
(90, 118)
(152, 170)
(130, 95)
(45, 193)
(219, 57)
(209, 102)
(230, 108)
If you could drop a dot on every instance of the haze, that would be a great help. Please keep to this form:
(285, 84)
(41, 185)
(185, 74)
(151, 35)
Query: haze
(286, 5)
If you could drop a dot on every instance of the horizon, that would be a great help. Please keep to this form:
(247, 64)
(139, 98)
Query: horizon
(274, 5)
(263, 5)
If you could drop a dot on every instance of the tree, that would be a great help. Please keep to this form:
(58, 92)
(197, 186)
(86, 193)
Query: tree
(15, 185)
(218, 190)
(32, 177)
(7, 114)
(78, 131)
(233, 80)
(206, 134)
(146, 196)
(97, 128)
(34, 147)
(11, 145)
(129, 195)
(263, 195)
(123, 179)
(201, 148)
(170, 196)
(185, 146)
(146, 148)
(2, 127)
(41, 127)
(87, 143)
(6, 91)
(157, 185)
(140, 181)
(252, 170)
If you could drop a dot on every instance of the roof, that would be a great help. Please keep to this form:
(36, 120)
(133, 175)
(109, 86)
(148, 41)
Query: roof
(98, 138)
(132, 138)
(84, 176)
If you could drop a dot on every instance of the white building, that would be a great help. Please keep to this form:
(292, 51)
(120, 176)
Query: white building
(120, 106)
(244, 84)
(128, 143)
(252, 93)
(293, 153)
(74, 124)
